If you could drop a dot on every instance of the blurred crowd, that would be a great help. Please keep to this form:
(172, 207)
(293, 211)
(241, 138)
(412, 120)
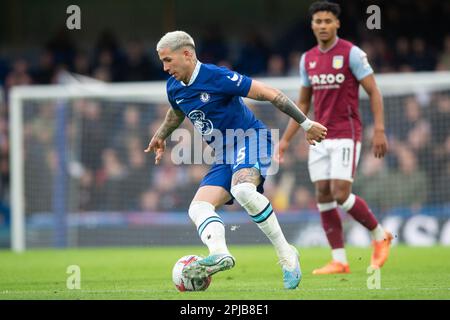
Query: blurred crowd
(112, 172)
(107, 169)
(398, 46)
(138, 61)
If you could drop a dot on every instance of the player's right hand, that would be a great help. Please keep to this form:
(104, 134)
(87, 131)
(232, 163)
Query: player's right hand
(280, 149)
(316, 133)
(157, 145)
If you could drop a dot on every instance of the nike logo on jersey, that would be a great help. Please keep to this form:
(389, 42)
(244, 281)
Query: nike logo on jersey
(234, 78)
(179, 101)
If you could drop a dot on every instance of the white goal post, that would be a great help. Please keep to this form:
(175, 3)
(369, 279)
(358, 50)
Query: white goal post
(390, 84)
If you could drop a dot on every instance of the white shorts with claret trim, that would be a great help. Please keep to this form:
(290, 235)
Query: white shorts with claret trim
(334, 159)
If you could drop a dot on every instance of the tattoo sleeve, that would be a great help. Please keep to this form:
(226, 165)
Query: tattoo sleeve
(286, 105)
(172, 121)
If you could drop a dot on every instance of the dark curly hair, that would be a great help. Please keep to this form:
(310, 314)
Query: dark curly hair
(317, 6)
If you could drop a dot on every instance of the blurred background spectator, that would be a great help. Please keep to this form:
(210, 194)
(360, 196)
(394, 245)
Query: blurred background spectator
(127, 54)
(112, 135)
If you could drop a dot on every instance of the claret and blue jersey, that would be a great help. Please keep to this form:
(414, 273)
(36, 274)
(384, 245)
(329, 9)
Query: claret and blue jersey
(334, 75)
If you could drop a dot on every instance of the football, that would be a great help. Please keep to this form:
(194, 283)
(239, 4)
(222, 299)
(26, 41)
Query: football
(183, 284)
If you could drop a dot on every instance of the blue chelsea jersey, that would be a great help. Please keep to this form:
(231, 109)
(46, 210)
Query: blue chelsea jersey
(212, 100)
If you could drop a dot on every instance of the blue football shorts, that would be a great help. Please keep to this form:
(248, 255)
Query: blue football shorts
(253, 151)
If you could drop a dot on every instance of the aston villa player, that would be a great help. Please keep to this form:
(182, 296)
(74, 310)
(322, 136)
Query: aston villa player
(331, 73)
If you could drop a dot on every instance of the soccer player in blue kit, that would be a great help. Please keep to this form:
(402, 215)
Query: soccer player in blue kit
(210, 96)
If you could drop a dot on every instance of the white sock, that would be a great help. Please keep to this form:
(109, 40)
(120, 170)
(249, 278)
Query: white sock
(349, 203)
(210, 226)
(339, 255)
(378, 233)
(261, 212)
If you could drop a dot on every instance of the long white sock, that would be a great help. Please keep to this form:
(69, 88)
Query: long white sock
(261, 212)
(210, 226)
(339, 255)
(378, 233)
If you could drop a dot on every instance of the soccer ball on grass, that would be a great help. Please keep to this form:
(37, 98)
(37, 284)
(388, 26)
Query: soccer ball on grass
(183, 284)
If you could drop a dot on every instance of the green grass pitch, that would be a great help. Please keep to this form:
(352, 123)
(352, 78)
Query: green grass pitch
(145, 273)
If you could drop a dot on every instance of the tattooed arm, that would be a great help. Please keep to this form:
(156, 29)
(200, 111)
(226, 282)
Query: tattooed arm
(158, 144)
(172, 121)
(262, 92)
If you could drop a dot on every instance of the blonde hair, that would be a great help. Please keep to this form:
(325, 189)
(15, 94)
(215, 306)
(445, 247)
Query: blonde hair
(175, 40)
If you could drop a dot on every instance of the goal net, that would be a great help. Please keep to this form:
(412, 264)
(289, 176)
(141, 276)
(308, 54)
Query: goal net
(79, 176)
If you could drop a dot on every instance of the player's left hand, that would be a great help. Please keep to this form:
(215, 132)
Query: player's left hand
(379, 144)
(316, 133)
